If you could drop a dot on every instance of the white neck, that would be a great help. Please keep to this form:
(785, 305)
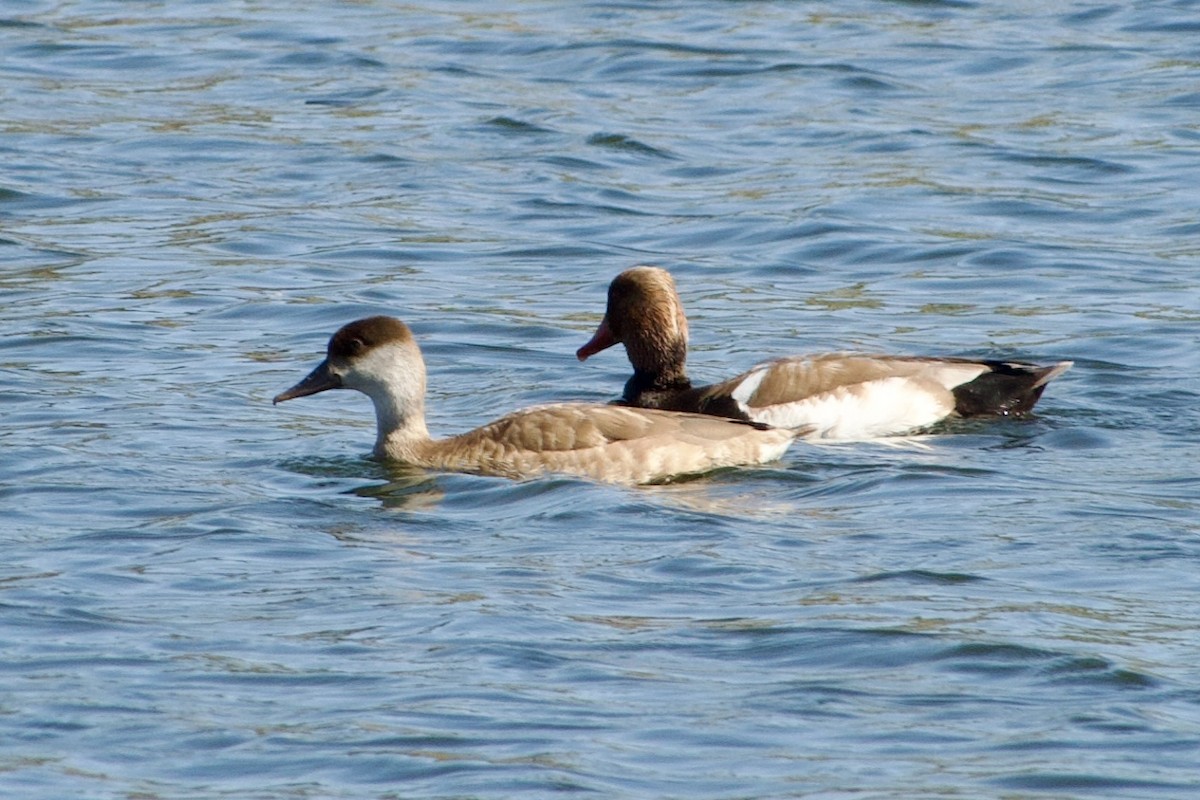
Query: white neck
(393, 376)
(398, 425)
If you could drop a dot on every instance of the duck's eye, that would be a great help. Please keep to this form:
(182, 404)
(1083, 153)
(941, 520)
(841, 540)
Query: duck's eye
(357, 345)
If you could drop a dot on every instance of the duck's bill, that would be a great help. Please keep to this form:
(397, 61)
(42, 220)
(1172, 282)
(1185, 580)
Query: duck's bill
(602, 339)
(319, 380)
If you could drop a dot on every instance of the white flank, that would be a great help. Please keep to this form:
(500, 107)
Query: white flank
(868, 410)
(746, 389)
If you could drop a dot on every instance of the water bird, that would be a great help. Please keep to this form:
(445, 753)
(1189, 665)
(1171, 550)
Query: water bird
(839, 396)
(379, 357)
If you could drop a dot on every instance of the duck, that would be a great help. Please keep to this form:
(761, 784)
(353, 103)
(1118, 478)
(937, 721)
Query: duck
(835, 396)
(379, 357)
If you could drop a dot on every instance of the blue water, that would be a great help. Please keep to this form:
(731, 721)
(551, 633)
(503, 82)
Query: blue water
(203, 596)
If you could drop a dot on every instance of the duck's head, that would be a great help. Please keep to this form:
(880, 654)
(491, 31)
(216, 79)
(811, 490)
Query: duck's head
(645, 314)
(377, 356)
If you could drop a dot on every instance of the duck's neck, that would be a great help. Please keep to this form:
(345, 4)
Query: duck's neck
(400, 434)
(659, 366)
(655, 389)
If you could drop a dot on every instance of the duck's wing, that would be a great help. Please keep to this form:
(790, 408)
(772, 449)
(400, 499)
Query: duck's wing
(612, 443)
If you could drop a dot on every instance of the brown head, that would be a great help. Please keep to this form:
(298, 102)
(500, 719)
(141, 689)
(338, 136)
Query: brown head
(645, 314)
(379, 357)
(352, 356)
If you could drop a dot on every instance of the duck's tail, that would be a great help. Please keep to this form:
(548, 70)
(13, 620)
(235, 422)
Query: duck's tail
(1008, 388)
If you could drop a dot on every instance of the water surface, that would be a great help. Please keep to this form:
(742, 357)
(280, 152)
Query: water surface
(204, 596)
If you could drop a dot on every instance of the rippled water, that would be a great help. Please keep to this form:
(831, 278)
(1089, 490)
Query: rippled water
(204, 596)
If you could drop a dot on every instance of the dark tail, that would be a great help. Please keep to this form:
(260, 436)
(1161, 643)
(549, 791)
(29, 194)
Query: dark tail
(1008, 388)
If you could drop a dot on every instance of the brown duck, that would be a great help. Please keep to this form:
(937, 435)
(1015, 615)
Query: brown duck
(835, 395)
(379, 357)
